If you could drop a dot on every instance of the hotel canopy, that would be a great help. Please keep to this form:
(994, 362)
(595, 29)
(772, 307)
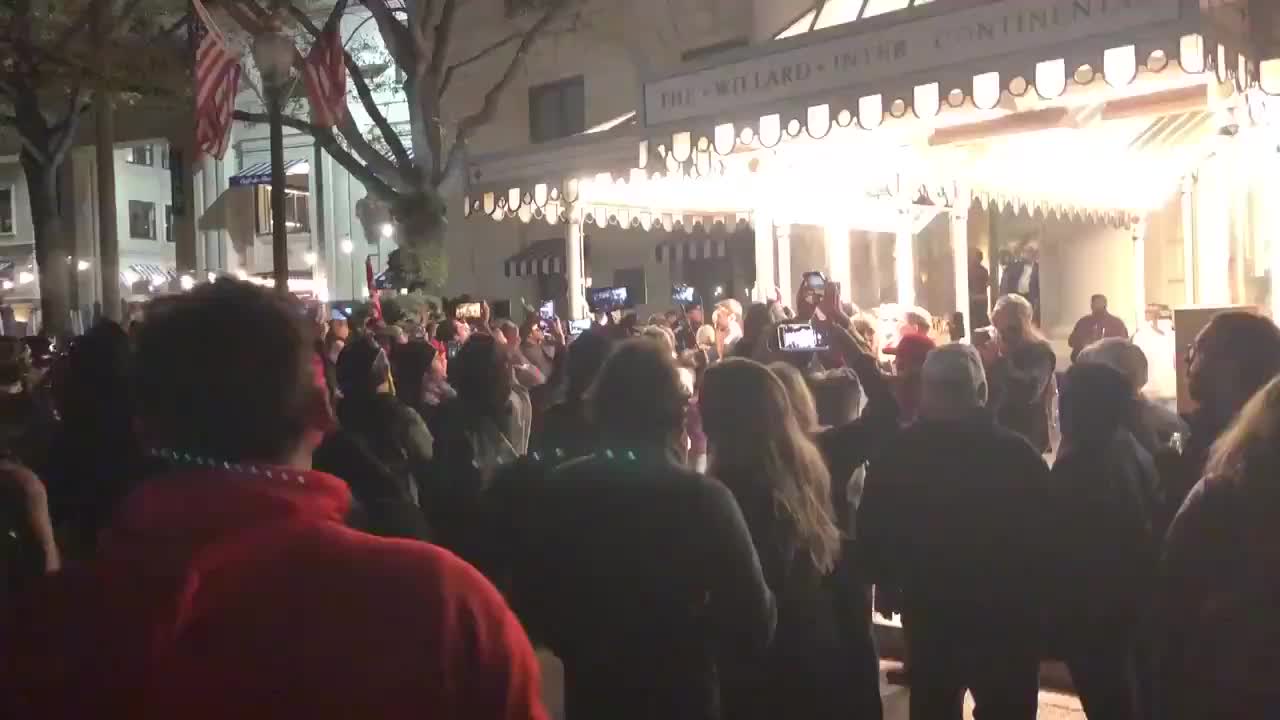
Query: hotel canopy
(879, 114)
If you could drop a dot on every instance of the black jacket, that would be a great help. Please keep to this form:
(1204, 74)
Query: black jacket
(392, 432)
(380, 505)
(823, 662)
(1019, 385)
(638, 574)
(954, 515)
(1107, 497)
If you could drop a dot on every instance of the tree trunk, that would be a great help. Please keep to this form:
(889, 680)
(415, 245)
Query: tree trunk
(108, 237)
(42, 184)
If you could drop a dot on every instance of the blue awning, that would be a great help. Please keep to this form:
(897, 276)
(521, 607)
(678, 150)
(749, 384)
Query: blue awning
(260, 174)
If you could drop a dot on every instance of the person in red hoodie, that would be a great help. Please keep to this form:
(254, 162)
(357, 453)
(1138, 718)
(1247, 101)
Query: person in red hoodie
(227, 585)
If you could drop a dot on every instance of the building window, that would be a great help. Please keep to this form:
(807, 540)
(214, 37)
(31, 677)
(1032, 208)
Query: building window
(164, 156)
(140, 155)
(6, 211)
(142, 220)
(297, 210)
(557, 109)
(707, 51)
(168, 223)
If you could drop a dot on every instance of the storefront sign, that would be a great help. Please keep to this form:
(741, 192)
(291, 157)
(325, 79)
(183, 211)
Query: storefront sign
(863, 57)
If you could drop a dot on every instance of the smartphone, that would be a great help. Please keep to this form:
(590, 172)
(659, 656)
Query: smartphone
(336, 314)
(547, 310)
(608, 299)
(577, 327)
(800, 338)
(468, 311)
(683, 295)
(452, 348)
(815, 281)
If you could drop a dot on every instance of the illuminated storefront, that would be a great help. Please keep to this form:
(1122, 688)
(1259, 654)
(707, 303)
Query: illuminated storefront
(1128, 141)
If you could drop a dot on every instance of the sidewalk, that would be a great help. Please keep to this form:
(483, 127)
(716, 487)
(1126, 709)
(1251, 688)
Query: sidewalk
(1053, 706)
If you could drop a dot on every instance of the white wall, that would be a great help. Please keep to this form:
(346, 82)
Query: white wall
(148, 184)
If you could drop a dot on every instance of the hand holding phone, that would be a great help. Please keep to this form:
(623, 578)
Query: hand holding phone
(796, 337)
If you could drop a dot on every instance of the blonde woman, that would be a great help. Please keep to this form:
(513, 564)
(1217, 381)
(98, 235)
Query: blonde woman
(760, 451)
(801, 399)
(1020, 366)
(1221, 576)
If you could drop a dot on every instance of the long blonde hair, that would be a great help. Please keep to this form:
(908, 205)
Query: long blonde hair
(1251, 445)
(1019, 310)
(802, 402)
(759, 448)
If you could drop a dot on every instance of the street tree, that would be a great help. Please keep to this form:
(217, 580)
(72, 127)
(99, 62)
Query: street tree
(53, 55)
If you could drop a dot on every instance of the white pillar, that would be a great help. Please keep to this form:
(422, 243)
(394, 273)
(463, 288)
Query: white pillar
(1140, 273)
(960, 261)
(1213, 234)
(904, 260)
(782, 235)
(766, 279)
(1188, 240)
(836, 241)
(573, 261)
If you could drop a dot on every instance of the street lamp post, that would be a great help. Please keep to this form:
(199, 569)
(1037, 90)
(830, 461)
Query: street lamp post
(273, 52)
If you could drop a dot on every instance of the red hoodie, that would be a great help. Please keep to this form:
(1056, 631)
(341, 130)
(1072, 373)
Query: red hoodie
(223, 595)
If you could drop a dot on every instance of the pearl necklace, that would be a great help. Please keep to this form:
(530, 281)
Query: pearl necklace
(267, 471)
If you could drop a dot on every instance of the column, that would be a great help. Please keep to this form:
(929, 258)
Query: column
(836, 241)
(181, 178)
(573, 260)
(1213, 234)
(766, 279)
(108, 236)
(904, 259)
(1188, 240)
(1140, 272)
(782, 237)
(960, 261)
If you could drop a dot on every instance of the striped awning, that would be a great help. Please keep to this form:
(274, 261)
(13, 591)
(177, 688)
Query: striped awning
(151, 273)
(544, 257)
(260, 174)
(691, 249)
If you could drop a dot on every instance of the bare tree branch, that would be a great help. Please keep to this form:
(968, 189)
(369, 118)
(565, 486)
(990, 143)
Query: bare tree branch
(329, 142)
(442, 39)
(398, 40)
(484, 52)
(364, 92)
(377, 162)
(468, 125)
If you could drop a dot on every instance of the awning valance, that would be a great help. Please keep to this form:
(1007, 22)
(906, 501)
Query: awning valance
(544, 257)
(260, 173)
(150, 273)
(930, 58)
(694, 248)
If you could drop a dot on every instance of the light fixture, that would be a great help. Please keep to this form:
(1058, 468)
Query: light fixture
(310, 258)
(347, 246)
(404, 291)
(241, 274)
(130, 277)
(273, 53)
(213, 277)
(83, 265)
(388, 229)
(7, 285)
(25, 277)
(187, 282)
(719, 291)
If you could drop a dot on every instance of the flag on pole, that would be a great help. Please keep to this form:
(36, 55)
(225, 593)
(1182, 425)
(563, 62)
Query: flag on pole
(375, 304)
(325, 72)
(217, 79)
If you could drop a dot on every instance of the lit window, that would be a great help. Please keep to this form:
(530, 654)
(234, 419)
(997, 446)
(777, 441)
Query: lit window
(168, 223)
(140, 155)
(297, 210)
(142, 220)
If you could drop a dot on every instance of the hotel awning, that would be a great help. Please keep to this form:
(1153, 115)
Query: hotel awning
(544, 257)
(260, 174)
(928, 59)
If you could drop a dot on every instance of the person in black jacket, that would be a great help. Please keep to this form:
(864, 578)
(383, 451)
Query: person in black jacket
(954, 515)
(1020, 368)
(639, 574)
(759, 449)
(565, 431)
(392, 431)
(1106, 494)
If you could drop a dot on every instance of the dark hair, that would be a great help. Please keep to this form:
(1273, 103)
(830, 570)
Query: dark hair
(409, 365)
(586, 356)
(637, 397)
(95, 379)
(838, 395)
(1098, 296)
(481, 375)
(447, 331)
(362, 368)
(226, 371)
(1096, 401)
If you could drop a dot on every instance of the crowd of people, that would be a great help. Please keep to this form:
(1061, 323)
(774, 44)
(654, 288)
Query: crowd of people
(242, 508)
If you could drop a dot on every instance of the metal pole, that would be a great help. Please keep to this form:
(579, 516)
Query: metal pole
(279, 233)
(108, 240)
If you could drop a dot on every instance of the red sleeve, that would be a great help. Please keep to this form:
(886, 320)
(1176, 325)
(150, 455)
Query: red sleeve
(499, 679)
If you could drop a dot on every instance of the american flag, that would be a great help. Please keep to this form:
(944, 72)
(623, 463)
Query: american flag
(217, 79)
(325, 72)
